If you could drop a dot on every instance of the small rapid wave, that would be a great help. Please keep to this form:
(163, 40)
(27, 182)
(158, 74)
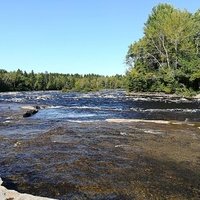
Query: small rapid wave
(86, 108)
(165, 110)
(16, 100)
(102, 105)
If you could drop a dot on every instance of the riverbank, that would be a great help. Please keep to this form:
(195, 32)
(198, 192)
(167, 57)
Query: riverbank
(6, 194)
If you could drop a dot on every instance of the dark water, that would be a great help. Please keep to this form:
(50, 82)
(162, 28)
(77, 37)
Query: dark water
(68, 151)
(103, 105)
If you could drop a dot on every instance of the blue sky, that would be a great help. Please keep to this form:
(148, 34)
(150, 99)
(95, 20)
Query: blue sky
(73, 36)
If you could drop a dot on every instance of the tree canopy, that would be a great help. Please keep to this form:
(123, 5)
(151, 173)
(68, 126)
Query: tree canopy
(167, 58)
(23, 81)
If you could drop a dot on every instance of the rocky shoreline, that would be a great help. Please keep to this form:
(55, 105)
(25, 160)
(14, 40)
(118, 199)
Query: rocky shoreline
(6, 194)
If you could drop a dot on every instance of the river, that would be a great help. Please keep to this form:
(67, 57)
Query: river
(70, 150)
(103, 105)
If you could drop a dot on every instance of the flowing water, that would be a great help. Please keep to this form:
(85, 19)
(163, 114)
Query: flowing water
(69, 151)
(103, 105)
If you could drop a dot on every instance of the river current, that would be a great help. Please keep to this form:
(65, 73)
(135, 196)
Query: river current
(103, 105)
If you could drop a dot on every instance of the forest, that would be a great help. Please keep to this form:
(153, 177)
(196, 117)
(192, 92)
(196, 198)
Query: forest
(23, 81)
(167, 57)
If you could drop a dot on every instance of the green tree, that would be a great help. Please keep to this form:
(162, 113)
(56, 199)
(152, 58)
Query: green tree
(167, 57)
(40, 83)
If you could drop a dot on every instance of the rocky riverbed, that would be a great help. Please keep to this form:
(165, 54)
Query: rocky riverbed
(104, 145)
(113, 159)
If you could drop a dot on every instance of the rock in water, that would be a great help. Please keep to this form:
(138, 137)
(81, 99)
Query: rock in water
(29, 113)
(37, 107)
(29, 107)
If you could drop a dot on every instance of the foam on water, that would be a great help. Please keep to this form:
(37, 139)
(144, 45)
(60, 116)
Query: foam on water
(104, 104)
(58, 113)
(165, 110)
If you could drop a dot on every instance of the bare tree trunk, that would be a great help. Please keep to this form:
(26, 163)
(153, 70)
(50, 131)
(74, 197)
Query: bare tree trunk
(159, 50)
(176, 57)
(162, 38)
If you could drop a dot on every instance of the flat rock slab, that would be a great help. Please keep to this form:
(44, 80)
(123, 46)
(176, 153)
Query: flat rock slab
(6, 194)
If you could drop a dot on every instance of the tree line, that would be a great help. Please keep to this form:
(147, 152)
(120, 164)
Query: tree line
(167, 58)
(23, 81)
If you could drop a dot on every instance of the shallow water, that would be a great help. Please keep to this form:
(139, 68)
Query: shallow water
(69, 151)
(103, 105)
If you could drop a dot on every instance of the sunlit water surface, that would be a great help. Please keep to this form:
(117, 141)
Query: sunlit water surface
(68, 151)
